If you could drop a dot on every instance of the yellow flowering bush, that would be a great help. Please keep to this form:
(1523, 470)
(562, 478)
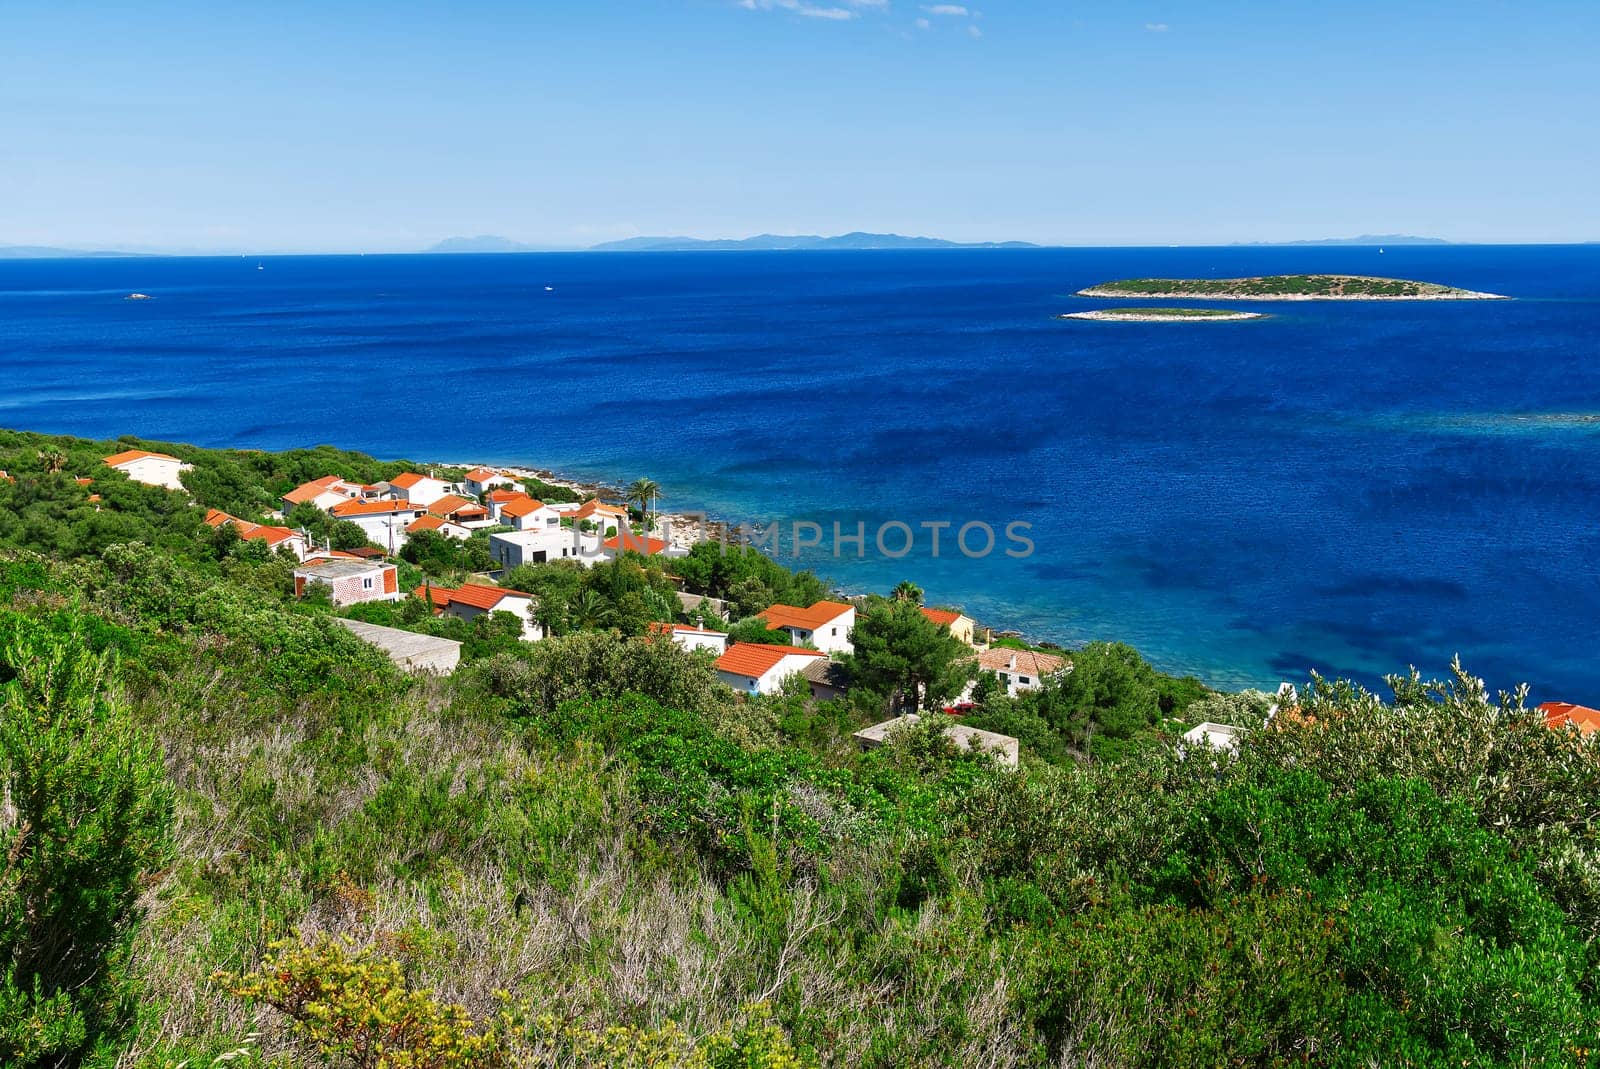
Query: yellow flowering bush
(356, 1008)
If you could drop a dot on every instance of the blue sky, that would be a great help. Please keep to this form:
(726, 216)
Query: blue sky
(347, 125)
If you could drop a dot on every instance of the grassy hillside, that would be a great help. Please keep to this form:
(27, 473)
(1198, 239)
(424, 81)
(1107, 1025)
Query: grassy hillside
(237, 836)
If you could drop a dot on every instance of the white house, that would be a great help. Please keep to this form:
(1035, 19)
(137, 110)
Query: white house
(152, 469)
(512, 549)
(323, 493)
(437, 523)
(526, 514)
(471, 600)
(274, 537)
(458, 509)
(1224, 737)
(385, 522)
(693, 638)
(1003, 747)
(419, 489)
(826, 624)
(351, 581)
(759, 668)
(1020, 670)
(481, 480)
(603, 515)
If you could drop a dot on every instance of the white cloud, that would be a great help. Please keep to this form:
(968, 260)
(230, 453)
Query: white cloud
(1156, 27)
(944, 9)
(974, 32)
(809, 10)
(922, 24)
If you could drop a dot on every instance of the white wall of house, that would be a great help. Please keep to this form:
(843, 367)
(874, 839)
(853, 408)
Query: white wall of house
(381, 526)
(521, 608)
(715, 641)
(480, 488)
(425, 492)
(831, 637)
(544, 519)
(155, 471)
(511, 549)
(770, 681)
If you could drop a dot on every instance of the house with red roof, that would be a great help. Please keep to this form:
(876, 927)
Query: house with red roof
(471, 600)
(419, 489)
(481, 480)
(499, 497)
(385, 520)
(349, 581)
(1558, 715)
(1020, 670)
(826, 624)
(693, 638)
(458, 509)
(323, 493)
(152, 469)
(761, 668)
(961, 626)
(443, 526)
(526, 514)
(273, 537)
(644, 545)
(602, 514)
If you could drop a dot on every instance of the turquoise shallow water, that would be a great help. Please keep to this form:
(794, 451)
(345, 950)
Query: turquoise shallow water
(1352, 487)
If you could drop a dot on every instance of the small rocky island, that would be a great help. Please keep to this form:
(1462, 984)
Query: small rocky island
(1163, 315)
(1288, 288)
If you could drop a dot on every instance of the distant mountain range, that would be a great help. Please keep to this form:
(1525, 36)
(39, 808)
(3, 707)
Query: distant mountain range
(761, 242)
(47, 252)
(484, 243)
(1364, 239)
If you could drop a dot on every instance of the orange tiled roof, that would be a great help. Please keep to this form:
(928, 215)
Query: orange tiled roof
(479, 475)
(216, 518)
(636, 544)
(426, 523)
(525, 506)
(756, 659)
(406, 480)
(372, 508)
(943, 617)
(127, 455)
(596, 507)
(313, 489)
(503, 494)
(818, 615)
(473, 594)
(1037, 665)
(450, 504)
(270, 535)
(1560, 714)
(80, 480)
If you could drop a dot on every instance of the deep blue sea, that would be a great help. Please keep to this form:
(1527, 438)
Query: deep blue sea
(1351, 487)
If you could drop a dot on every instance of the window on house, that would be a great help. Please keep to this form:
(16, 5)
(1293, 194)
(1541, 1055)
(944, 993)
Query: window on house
(1022, 679)
(366, 584)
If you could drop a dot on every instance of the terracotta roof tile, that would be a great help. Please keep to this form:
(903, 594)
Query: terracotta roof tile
(372, 508)
(525, 506)
(809, 619)
(943, 617)
(1029, 663)
(756, 659)
(1560, 714)
(127, 455)
(636, 544)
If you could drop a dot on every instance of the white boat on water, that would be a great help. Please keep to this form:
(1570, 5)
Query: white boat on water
(137, 297)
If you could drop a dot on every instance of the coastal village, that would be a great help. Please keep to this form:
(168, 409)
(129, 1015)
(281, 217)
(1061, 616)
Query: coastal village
(523, 530)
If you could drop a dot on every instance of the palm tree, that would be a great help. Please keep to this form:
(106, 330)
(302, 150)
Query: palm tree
(906, 590)
(644, 491)
(52, 460)
(591, 609)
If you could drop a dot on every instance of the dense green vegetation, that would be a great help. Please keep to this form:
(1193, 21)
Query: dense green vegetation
(1269, 286)
(234, 834)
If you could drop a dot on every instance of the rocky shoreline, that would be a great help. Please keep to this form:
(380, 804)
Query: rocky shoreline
(1463, 295)
(1114, 316)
